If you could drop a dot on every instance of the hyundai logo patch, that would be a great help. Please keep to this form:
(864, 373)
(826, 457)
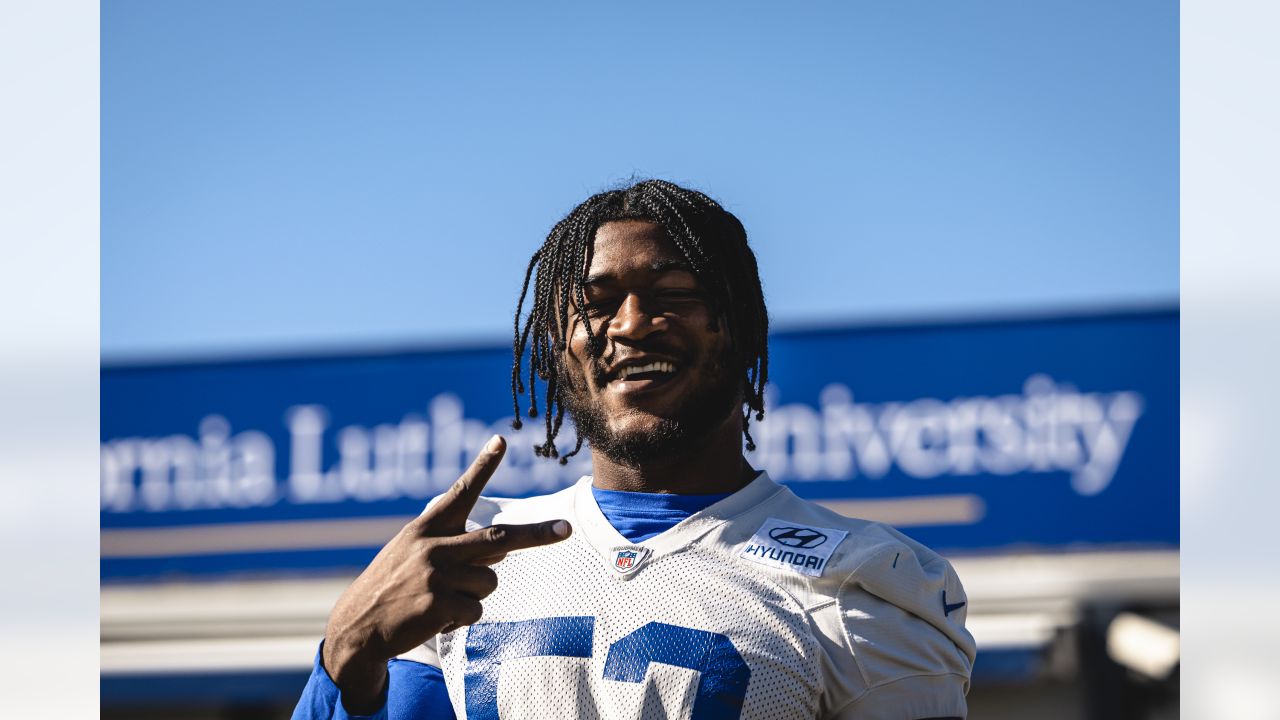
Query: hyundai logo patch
(791, 546)
(798, 537)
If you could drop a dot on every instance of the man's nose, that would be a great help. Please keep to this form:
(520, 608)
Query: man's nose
(634, 321)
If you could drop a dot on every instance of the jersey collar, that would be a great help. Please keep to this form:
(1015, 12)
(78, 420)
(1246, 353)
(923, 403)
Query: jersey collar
(605, 539)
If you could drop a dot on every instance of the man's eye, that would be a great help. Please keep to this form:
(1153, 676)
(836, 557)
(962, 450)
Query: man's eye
(600, 307)
(603, 307)
(680, 295)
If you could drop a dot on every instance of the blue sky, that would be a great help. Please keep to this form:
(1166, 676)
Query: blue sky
(287, 175)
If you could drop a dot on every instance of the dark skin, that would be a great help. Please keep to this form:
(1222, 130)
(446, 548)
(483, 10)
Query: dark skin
(432, 577)
(429, 579)
(648, 306)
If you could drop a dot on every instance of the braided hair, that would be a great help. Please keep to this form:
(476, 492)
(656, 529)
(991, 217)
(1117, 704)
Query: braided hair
(712, 241)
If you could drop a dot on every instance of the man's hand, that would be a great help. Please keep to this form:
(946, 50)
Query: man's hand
(429, 579)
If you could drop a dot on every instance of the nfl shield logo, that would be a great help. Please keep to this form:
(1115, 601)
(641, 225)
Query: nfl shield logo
(625, 559)
(628, 559)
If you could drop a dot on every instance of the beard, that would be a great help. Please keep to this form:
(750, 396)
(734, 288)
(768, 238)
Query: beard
(686, 429)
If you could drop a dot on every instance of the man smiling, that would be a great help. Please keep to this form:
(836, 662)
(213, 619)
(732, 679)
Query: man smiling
(666, 383)
(676, 580)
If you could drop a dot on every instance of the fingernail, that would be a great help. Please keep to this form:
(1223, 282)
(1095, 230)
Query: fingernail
(492, 445)
(561, 528)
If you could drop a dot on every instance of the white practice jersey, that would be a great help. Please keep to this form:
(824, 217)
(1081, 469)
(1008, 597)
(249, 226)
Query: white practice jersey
(761, 606)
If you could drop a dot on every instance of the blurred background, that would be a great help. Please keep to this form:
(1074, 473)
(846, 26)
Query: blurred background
(315, 219)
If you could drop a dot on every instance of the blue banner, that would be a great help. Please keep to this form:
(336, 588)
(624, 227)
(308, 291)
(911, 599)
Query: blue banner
(976, 436)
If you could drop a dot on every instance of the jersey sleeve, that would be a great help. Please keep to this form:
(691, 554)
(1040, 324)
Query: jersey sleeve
(902, 613)
(415, 691)
(322, 699)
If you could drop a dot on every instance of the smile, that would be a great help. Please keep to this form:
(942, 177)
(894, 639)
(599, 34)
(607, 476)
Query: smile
(653, 368)
(636, 377)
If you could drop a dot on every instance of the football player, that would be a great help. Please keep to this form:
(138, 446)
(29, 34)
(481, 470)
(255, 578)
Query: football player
(676, 581)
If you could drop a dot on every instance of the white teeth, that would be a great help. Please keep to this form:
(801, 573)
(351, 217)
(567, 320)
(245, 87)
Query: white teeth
(659, 366)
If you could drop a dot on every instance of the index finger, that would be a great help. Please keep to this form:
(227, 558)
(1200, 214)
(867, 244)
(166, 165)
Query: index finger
(498, 540)
(449, 514)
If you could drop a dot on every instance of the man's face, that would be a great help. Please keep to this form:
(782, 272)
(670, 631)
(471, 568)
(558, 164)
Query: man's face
(665, 378)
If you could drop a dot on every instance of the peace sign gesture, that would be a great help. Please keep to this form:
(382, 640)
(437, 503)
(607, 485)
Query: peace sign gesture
(429, 579)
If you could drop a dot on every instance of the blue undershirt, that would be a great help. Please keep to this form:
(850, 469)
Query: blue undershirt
(638, 516)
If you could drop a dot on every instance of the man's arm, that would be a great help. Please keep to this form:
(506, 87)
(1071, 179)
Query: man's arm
(414, 690)
(429, 579)
(902, 613)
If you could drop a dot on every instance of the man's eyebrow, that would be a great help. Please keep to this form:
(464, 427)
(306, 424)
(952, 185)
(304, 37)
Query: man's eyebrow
(664, 265)
(669, 264)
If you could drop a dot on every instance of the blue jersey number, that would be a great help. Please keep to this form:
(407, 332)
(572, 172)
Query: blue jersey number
(723, 672)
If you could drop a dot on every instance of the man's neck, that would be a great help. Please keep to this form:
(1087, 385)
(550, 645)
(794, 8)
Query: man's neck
(716, 466)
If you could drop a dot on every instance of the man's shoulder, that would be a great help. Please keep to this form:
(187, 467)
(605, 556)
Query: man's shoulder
(887, 608)
(821, 557)
(846, 546)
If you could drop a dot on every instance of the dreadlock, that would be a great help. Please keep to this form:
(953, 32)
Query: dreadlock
(712, 241)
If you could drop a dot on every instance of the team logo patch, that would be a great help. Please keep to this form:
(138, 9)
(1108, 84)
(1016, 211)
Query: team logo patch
(800, 548)
(627, 559)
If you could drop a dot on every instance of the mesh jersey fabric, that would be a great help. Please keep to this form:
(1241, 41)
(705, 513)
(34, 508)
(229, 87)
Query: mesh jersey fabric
(703, 623)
